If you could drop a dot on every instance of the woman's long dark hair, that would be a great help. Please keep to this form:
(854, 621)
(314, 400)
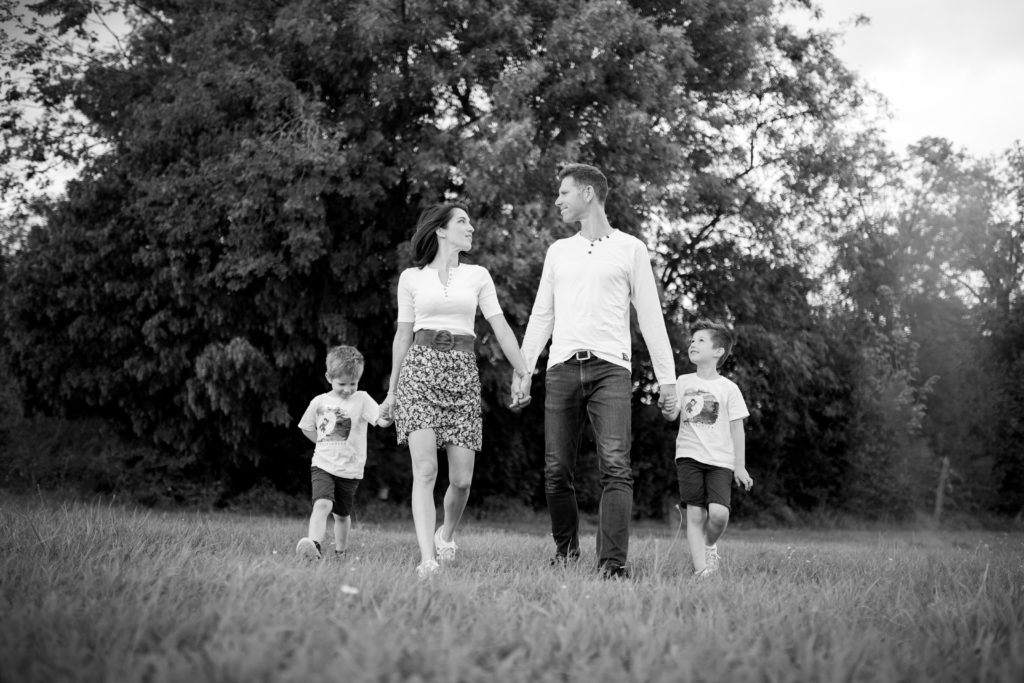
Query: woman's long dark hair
(424, 241)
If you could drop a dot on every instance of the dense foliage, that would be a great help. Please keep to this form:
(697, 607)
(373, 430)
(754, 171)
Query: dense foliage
(249, 179)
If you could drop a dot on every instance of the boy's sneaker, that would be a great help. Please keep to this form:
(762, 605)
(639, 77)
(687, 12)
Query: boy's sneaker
(308, 549)
(711, 557)
(427, 568)
(704, 574)
(339, 554)
(445, 549)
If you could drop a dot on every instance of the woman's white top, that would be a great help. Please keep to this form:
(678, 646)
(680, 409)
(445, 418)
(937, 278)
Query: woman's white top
(429, 304)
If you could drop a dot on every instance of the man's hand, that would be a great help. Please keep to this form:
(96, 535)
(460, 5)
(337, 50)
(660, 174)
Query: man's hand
(520, 390)
(743, 479)
(667, 401)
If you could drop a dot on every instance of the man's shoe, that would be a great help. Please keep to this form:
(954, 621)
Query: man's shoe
(610, 570)
(308, 549)
(560, 560)
(445, 549)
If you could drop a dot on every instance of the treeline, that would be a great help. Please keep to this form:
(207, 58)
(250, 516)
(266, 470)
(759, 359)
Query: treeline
(249, 179)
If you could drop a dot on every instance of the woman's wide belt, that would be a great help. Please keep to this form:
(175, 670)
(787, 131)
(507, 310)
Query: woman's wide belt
(443, 340)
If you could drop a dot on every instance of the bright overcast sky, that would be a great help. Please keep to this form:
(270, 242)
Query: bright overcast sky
(949, 68)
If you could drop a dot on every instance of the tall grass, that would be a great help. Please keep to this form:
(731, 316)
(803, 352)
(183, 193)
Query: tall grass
(102, 593)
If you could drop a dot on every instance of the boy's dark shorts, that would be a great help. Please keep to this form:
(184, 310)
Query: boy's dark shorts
(338, 490)
(701, 484)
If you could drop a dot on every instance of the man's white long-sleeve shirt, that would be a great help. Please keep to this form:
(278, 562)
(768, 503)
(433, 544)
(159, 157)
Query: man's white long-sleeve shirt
(583, 302)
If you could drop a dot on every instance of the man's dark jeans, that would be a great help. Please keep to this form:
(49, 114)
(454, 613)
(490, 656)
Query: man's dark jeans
(602, 391)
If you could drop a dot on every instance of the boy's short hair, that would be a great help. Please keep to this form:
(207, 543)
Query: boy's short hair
(345, 361)
(721, 336)
(585, 174)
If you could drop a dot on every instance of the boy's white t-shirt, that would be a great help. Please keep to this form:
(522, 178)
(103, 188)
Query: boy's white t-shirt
(340, 426)
(706, 409)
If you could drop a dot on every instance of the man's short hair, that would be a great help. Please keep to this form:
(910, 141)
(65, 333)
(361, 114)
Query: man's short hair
(585, 174)
(344, 361)
(721, 336)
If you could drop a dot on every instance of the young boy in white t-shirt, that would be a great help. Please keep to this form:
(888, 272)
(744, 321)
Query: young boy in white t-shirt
(336, 422)
(710, 447)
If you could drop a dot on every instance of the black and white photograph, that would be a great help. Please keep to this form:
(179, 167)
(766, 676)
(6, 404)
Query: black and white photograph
(518, 341)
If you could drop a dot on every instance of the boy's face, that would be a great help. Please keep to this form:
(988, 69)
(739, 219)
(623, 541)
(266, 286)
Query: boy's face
(343, 386)
(702, 349)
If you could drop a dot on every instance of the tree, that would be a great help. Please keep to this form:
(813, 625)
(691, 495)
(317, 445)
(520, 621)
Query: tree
(932, 266)
(261, 171)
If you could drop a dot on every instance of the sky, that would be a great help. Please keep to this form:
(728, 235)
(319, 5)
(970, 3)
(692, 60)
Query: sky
(949, 68)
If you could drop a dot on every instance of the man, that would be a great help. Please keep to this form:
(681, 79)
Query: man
(588, 282)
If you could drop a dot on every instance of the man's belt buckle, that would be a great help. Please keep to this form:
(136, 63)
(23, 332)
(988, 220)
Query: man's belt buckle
(583, 355)
(444, 340)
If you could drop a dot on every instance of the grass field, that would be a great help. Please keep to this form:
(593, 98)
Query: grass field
(103, 593)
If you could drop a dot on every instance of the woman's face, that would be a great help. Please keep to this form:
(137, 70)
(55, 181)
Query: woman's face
(459, 231)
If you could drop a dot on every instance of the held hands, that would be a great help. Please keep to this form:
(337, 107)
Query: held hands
(520, 390)
(668, 402)
(387, 411)
(743, 479)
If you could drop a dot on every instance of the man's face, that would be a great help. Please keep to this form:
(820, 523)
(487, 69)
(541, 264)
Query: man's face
(572, 201)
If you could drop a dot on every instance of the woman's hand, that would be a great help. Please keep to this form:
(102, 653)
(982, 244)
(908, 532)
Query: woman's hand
(387, 409)
(520, 390)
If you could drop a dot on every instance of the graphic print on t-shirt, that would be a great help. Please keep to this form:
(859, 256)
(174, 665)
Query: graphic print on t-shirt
(699, 407)
(332, 423)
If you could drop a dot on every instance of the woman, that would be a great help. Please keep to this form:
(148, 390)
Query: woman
(434, 393)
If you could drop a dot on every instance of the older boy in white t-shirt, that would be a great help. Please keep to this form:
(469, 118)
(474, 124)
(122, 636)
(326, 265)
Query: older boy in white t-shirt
(710, 447)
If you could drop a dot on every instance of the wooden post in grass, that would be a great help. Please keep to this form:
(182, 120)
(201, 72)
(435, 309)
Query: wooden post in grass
(940, 492)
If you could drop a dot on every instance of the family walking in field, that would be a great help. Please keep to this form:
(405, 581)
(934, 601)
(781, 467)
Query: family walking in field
(588, 284)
